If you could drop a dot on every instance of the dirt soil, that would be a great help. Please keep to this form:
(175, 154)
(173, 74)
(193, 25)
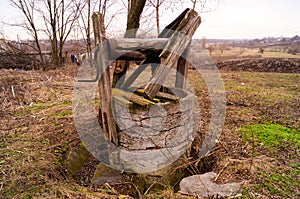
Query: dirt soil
(279, 65)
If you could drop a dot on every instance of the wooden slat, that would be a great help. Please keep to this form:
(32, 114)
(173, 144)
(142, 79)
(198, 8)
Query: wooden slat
(109, 124)
(122, 100)
(160, 95)
(133, 43)
(132, 97)
(167, 96)
(172, 51)
(169, 29)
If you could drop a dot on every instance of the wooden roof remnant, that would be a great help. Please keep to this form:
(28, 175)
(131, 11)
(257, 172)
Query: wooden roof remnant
(173, 50)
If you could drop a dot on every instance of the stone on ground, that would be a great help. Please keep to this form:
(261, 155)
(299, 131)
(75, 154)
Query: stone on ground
(203, 185)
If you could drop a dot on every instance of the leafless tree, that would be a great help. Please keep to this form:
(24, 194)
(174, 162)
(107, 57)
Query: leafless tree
(156, 4)
(28, 9)
(84, 24)
(59, 18)
(135, 9)
(102, 6)
(202, 5)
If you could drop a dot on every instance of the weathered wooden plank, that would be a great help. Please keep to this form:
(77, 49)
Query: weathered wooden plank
(135, 55)
(182, 68)
(136, 99)
(167, 96)
(160, 95)
(133, 43)
(117, 74)
(109, 124)
(129, 56)
(122, 100)
(172, 51)
(99, 28)
(169, 29)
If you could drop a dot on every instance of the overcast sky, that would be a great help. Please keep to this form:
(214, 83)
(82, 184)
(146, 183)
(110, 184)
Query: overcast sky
(233, 19)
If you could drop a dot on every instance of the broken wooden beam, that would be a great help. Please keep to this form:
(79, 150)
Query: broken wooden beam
(132, 97)
(172, 51)
(122, 100)
(160, 95)
(169, 29)
(182, 68)
(133, 43)
(101, 55)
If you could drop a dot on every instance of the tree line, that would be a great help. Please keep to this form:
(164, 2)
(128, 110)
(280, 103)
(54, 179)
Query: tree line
(56, 19)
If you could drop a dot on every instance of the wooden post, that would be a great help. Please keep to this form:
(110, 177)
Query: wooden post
(109, 124)
(182, 68)
(172, 51)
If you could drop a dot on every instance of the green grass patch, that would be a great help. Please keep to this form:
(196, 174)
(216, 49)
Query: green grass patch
(96, 102)
(64, 103)
(271, 135)
(62, 114)
(39, 106)
(281, 184)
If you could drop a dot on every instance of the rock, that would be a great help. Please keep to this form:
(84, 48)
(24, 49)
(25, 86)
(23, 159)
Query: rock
(202, 185)
(105, 174)
(76, 158)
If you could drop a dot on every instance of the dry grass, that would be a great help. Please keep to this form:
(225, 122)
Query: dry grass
(37, 131)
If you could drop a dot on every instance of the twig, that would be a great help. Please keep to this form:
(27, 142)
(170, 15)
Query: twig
(219, 174)
(13, 91)
(146, 192)
(112, 189)
(136, 188)
(225, 148)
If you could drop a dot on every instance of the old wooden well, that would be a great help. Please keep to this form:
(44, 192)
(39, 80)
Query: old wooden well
(149, 118)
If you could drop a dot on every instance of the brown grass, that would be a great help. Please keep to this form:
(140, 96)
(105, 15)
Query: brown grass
(37, 131)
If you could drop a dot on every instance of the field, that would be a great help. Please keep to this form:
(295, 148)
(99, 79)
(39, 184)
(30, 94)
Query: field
(239, 52)
(260, 142)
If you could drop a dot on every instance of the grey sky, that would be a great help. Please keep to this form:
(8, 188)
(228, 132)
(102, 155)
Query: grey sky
(233, 19)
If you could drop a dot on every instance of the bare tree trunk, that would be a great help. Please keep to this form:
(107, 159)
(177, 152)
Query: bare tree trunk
(135, 9)
(61, 34)
(133, 18)
(61, 19)
(156, 4)
(157, 16)
(53, 22)
(88, 31)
